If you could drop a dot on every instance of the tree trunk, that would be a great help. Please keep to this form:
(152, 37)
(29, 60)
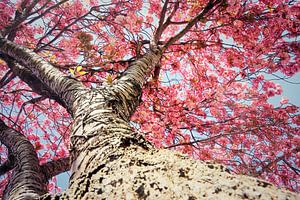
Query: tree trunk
(113, 162)
(110, 161)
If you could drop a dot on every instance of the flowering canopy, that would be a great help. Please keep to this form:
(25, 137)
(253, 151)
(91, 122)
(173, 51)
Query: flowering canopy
(208, 98)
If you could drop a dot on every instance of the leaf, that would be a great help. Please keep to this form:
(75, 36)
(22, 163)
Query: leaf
(2, 62)
(78, 68)
(81, 73)
(52, 58)
(77, 71)
(270, 8)
(109, 79)
(72, 71)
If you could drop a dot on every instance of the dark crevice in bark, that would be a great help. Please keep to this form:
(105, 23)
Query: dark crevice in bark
(87, 186)
(141, 192)
(136, 140)
(9, 164)
(89, 176)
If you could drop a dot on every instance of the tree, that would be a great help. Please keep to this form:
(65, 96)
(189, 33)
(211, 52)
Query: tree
(103, 89)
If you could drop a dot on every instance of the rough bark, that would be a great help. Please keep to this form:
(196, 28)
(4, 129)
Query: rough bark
(27, 181)
(128, 89)
(64, 86)
(134, 172)
(55, 167)
(32, 81)
(110, 161)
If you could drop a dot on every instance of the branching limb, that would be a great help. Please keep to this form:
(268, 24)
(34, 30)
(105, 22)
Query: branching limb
(46, 11)
(55, 167)
(163, 25)
(49, 169)
(27, 181)
(297, 171)
(7, 78)
(20, 16)
(129, 86)
(32, 81)
(64, 87)
(161, 21)
(31, 101)
(210, 5)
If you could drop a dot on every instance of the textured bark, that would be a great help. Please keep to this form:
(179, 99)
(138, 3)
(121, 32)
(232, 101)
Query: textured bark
(128, 89)
(27, 181)
(23, 73)
(110, 161)
(55, 167)
(32, 81)
(63, 86)
(133, 172)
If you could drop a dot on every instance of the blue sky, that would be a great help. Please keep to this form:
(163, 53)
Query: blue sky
(291, 91)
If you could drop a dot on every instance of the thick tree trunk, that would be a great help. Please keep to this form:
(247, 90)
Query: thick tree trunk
(110, 161)
(133, 172)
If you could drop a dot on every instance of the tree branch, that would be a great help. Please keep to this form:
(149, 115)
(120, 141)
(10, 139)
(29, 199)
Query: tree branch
(161, 21)
(32, 81)
(64, 87)
(55, 167)
(162, 26)
(27, 181)
(129, 87)
(46, 11)
(19, 18)
(7, 78)
(297, 171)
(207, 8)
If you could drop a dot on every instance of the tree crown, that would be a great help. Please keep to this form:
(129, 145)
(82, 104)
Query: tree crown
(207, 98)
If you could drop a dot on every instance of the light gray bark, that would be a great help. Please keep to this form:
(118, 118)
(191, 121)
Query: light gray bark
(110, 161)
(134, 172)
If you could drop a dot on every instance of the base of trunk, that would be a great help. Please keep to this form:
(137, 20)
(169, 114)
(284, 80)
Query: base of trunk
(135, 173)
